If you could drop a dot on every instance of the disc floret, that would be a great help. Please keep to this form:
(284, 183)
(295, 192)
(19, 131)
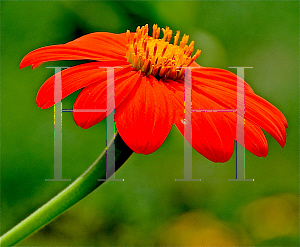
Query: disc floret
(158, 57)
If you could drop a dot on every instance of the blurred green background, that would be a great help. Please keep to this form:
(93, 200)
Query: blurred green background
(149, 207)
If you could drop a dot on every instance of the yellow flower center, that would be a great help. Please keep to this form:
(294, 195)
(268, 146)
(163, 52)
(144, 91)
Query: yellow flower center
(158, 57)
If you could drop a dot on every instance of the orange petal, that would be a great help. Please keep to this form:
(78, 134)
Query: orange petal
(223, 90)
(95, 46)
(145, 117)
(95, 97)
(73, 79)
(211, 131)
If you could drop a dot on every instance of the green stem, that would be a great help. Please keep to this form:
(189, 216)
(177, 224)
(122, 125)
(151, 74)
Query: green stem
(76, 191)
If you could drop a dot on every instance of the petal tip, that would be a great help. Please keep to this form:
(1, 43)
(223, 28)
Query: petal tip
(23, 64)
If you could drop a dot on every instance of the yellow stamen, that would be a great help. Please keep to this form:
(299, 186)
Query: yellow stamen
(170, 35)
(157, 32)
(176, 37)
(128, 36)
(154, 31)
(158, 57)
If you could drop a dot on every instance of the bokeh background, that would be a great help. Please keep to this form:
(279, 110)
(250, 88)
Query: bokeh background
(149, 207)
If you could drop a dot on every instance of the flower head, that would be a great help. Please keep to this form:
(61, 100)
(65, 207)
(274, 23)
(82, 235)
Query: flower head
(157, 57)
(149, 92)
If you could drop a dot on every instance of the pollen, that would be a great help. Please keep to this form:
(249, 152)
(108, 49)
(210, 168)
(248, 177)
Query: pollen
(157, 56)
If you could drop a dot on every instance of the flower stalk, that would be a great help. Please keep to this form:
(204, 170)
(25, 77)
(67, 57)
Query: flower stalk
(76, 191)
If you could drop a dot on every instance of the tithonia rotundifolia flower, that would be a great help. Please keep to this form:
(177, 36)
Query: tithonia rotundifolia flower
(149, 92)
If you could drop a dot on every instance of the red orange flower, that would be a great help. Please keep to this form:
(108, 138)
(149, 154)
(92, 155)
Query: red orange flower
(149, 92)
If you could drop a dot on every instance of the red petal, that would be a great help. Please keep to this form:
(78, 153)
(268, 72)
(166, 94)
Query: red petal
(254, 139)
(74, 78)
(95, 46)
(145, 117)
(221, 87)
(211, 132)
(218, 77)
(94, 97)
